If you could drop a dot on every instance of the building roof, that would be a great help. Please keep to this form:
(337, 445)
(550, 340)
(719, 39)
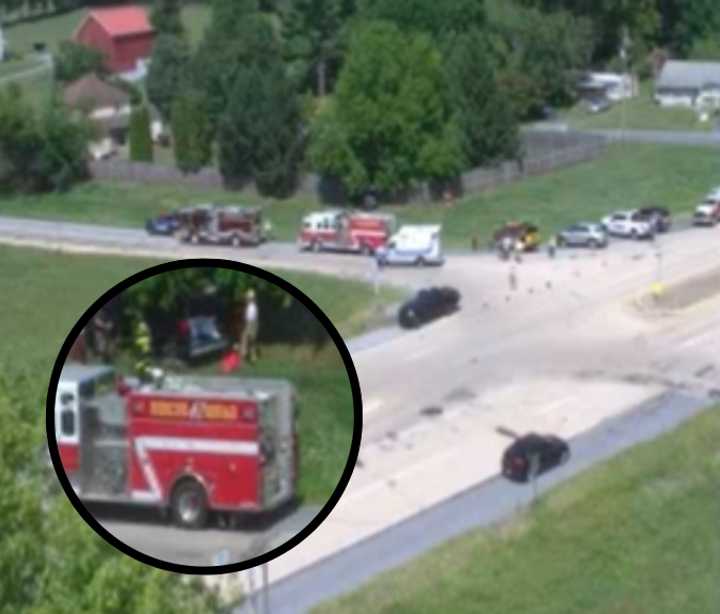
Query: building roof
(676, 74)
(121, 20)
(89, 93)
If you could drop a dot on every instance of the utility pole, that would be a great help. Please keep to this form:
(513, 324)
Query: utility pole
(625, 45)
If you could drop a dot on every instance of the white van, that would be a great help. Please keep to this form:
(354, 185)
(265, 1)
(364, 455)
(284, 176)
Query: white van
(417, 244)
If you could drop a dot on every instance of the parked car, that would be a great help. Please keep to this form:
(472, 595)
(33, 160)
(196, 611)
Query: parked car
(597, 104)
(428, 305)
(707, 213)
(659, 217)
(583, 234)
(517, 460)
(525, 232)
(164, 224)
(628, 224)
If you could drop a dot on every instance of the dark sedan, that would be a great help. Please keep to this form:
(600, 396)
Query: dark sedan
(659, 217)
(428, 305)
(165, 224)
(549, 450)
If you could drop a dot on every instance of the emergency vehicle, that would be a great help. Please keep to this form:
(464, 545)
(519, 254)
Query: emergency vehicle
(233, 225)
(351, 231)
(188, 444)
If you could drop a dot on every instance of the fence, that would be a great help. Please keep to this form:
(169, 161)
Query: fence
(543, 152)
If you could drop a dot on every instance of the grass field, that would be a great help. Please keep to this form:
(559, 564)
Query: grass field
(45, 292)
(637, 535)
(629, 175)
(639, 113)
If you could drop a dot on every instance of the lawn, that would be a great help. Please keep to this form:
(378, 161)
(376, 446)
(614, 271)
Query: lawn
(12, 67)
(638, 535)
(45, 292)
(629, 175)
(53, 29)
(639, 113)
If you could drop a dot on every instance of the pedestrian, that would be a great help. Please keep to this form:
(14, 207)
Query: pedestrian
(78, 351)
(513, 278)
(142, 349)
(552, 246)
(251, 326)
(519, 247)
(103, 330)
(506, 245)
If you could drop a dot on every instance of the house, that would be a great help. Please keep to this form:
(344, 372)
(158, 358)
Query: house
(108, 108)
(613, 86)
(688, 84)
(123, 34)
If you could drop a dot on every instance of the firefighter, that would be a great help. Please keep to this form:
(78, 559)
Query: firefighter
(142, 346)
(519, 246)
(102, 333)
(552, 246)
(250, 328)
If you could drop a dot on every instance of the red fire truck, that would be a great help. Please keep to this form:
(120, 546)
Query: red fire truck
(188, 445)
(345, 231)
(236, 226)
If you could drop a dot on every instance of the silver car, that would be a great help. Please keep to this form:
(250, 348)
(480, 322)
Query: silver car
(584, 234)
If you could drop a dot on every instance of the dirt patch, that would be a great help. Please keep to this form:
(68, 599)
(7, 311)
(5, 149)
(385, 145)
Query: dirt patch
(689, 292)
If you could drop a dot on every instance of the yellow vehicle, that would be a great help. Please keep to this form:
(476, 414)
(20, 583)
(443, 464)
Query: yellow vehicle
(526, 233)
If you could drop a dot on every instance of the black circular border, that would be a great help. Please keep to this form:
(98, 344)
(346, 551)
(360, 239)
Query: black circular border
(206, 569)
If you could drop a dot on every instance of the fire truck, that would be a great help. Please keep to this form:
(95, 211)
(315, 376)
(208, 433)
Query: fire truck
(188, 445)
(345, 231)
(232, 225)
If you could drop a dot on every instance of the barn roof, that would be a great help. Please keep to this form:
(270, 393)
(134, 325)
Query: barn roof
(677, 74)
(94, 93)
(121, 20)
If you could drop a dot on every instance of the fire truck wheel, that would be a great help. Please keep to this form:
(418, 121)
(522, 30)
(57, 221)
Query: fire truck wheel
(189, 505)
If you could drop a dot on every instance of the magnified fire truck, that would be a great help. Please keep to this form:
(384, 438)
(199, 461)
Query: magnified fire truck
(189, 444)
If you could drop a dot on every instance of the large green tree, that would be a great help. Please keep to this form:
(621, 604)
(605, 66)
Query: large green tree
(166, 17)
(167, 76)
(487, 122)
(141, 145)
(260, 134)
(389, 124)
(192, 132)
(314, 33)
(440, 19)
(73, 61)
(687, 27)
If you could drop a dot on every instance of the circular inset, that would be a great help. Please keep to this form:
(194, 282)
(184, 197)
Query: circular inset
(194, 472)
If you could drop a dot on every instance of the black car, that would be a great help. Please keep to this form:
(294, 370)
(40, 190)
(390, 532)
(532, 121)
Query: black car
(427, 305)
(517, 459)
(166, 224)
(658, 217)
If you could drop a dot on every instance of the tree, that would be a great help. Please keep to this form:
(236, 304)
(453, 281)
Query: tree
(439, 19)
(192, 132)
(166, 18)
(39, 154)
(314, 31)
(488, 127)
(389, 124)
(167, 74)
(260, 134)
(74, 61)
(690, 27)
(141, 145)
(238, 35)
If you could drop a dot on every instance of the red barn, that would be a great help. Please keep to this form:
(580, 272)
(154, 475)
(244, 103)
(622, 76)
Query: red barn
(123, 34)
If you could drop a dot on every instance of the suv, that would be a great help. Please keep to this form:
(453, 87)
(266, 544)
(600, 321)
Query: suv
(659, 217)
(707, 213)
(628, 224)
(583, 234)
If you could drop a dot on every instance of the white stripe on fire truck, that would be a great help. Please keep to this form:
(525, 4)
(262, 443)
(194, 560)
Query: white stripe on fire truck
(146, 444)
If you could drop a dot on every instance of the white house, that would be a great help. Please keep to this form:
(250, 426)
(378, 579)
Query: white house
(613, 86)
(688, 84)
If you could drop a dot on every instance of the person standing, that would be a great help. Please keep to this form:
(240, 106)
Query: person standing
(142, 346)
(251, 326)
(102, 335)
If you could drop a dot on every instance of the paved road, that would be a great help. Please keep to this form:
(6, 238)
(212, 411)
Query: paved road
(483, 505)
(571, 347)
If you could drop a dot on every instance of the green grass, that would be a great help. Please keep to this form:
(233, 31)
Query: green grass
(12, 67)
(637, 535)
(639, 113)
(44, 293)
(629, 175)
(53, 29)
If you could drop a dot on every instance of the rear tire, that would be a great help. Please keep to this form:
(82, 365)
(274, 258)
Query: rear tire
(189, 505)
(420, 262)
(592, 244)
